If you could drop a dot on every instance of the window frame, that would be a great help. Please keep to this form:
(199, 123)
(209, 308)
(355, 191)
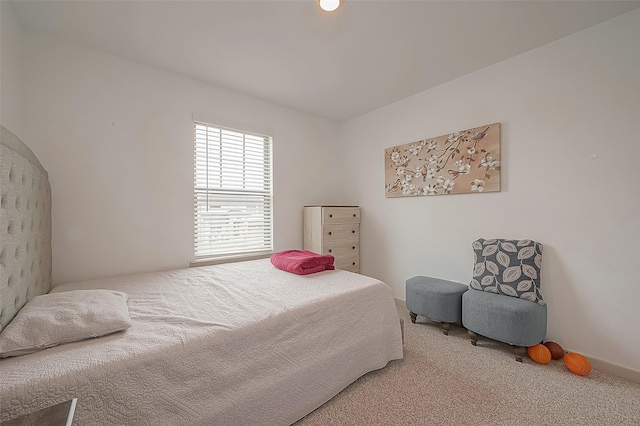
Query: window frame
(255, 240)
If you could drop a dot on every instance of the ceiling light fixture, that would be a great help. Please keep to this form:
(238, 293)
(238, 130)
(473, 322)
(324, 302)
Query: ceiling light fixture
(330, 5)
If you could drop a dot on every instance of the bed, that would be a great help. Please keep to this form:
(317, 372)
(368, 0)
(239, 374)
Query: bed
(237, 343)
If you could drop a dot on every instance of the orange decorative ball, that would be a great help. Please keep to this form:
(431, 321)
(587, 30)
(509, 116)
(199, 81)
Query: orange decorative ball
(539, 353)
(556, 350)
(577, 363)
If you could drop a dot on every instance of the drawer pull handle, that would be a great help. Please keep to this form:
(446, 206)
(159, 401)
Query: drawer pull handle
(330, 250)
(354, 215)
(354, 263)
(330, 215)
(329, 233)
(353, 231)
(353, 247)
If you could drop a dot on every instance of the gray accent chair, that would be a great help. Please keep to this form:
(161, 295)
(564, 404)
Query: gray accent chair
(504, 302)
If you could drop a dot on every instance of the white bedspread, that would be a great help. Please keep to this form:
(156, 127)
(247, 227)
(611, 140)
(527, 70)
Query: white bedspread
(234, 344)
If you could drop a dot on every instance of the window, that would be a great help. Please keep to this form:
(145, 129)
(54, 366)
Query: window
(232, 192)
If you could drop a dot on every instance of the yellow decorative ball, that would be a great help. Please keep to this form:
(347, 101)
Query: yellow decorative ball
(539, 353)
(577, 363)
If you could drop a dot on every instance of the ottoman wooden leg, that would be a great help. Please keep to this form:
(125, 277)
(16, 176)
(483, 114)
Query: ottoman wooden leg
(473, 336)
(446, 326)
(519, 352)
(413, 317)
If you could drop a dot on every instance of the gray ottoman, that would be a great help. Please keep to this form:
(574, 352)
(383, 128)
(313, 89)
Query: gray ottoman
(518, 322)
(436, 299)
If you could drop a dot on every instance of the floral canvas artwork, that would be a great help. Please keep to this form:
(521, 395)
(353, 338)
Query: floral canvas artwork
(458, 163)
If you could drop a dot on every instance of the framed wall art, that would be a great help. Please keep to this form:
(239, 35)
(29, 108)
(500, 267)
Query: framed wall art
(463, 162)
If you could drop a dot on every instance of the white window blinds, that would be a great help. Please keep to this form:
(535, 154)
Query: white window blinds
(232, 192)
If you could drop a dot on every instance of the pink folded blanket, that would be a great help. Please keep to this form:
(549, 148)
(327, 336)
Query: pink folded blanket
(302, 262)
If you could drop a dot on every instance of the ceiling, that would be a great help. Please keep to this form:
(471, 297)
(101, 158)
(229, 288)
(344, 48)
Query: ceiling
(334, 65)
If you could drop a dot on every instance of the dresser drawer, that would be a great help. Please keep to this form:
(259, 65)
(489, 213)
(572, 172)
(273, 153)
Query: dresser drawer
(342, 248)
(355, 269)
(340, 215)
(349, 231)
(348, 263)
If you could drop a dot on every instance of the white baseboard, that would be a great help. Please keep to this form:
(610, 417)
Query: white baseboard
(615, 369)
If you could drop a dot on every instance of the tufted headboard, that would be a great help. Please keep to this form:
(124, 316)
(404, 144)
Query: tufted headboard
(25, 226)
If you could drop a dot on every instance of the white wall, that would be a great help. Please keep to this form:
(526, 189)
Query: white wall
(560, 105)
(117, 140)
(10, 70)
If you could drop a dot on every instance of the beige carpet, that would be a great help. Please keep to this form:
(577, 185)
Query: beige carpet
(444, 380)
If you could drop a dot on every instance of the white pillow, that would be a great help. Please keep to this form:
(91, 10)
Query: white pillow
(56, 318)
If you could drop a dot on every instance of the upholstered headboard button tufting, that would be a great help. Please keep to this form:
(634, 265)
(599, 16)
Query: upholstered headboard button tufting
(25, 226)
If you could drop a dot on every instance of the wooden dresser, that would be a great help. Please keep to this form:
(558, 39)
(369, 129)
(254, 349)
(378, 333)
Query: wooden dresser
(334, 230)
